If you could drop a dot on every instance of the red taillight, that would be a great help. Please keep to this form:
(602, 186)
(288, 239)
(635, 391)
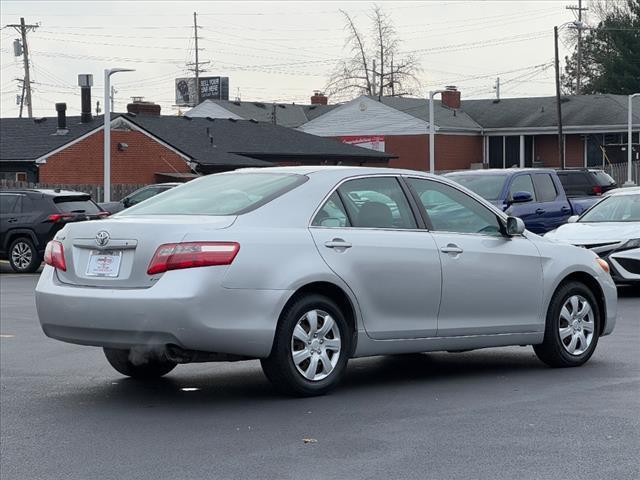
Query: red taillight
(54, 255)
(57, 217)
(174, 256)
(597, 190)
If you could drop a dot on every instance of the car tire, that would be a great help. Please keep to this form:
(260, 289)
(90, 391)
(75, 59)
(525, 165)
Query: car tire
(23, 256)
(572, 329)
(320, 352)
(139, 365)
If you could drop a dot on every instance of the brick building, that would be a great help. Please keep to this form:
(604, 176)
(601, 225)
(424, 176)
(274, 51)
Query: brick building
(149, 148)
(485, 133)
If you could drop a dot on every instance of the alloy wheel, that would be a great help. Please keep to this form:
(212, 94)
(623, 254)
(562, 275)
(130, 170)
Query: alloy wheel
(576, 325)
(315, 345)
(22, 255)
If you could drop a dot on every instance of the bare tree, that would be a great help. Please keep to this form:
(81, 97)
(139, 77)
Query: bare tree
(377, 70)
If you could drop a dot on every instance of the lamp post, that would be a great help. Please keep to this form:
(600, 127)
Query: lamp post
(432, 132)
(629, 182)
(107, 129)
(579, 26)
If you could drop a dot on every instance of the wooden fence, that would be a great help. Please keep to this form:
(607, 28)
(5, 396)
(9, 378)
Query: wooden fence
(118, 191)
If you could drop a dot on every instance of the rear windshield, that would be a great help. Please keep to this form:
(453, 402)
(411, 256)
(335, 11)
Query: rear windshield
(221, 194)
(76, 205)
(488, 187)
(604, 178)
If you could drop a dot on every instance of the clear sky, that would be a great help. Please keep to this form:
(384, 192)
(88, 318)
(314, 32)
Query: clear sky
(272, 51)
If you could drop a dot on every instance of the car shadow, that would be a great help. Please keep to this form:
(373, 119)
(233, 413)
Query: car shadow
(246, 385)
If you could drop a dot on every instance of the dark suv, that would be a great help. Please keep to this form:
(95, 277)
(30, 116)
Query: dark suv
(582, 182)
(30, 218)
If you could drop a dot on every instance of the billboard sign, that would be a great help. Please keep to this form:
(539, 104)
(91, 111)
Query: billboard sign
(214, 88)
(372, 142)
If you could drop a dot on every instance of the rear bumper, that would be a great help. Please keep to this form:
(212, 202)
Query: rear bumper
(188, 308)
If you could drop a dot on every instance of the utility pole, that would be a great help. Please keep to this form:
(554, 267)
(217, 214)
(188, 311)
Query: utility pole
(23, 29)
(195, 32)
(273, 114)
(496, 87)
(22, 98)
(558, 101)
(580, 9)
(112, 97)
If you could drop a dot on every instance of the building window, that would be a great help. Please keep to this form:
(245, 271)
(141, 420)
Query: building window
(21, 177)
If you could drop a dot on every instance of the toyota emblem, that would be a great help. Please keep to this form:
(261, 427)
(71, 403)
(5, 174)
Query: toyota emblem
(102, 238)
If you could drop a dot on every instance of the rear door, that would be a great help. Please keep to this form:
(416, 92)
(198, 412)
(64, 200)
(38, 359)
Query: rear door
(368, 235)
(491, 284)
(8, 216)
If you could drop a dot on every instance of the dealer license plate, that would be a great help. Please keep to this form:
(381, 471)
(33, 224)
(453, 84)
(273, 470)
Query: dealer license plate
(105, 263)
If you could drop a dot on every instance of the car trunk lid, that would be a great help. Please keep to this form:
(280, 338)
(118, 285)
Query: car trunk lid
(115, 252)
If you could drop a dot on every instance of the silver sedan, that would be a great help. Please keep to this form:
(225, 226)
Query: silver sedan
(306, 267)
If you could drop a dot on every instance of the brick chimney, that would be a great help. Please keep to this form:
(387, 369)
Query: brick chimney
(451, 97)
(318, 98)
(139, 107)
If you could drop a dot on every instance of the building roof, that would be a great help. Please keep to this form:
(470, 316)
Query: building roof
(445, 118)
(286, 114)
(26, 139)
(578, 112)
(248, 143)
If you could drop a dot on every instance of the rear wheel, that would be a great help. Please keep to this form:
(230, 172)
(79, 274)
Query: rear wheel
(143, 365)
(311, 347)
(572, 328)
(23, 256)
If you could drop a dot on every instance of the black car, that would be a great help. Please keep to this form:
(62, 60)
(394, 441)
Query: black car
(580, 182)
(138, 196)
(30, 218)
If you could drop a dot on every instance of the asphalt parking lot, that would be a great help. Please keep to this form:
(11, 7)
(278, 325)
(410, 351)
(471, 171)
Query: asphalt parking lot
(487, 414)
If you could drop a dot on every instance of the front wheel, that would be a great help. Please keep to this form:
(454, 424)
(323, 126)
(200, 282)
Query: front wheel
(572, 328)
(311, 347)
(139, 364)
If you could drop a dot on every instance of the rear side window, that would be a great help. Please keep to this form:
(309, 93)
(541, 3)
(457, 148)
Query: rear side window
(377, 202)
(545, 189)
(76, 205)
(221, 194)
(332, 214)
(604, 178)
(8, 203)
(522, 183)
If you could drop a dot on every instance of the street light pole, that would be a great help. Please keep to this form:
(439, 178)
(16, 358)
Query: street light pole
(629, 182)
(432, 132)
(107, 129)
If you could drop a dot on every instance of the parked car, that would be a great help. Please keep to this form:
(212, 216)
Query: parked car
(580, 182)
(611, 229)
(137, 197)
(30, 218)
(622, 189)
(533, 194)
(293, 266)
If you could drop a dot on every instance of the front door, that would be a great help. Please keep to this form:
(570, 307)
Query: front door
(367, 234)
(491, 284)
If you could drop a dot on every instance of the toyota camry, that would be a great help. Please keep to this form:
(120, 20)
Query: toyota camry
(307, 267)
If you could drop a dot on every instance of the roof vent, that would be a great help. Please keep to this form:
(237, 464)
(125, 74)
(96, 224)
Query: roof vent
(259, 105)
(211, 119)
(282, 106)
(40, 120)
(253, 120)
(234, 120)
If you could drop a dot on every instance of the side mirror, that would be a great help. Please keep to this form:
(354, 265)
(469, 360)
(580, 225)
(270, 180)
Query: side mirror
(515, 226)
(126, 203)
(573, 218)
(521, 197)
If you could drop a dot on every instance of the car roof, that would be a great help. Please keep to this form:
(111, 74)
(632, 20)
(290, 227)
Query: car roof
(344, 169)
(624, 191)
(47, 192)
(496, 171)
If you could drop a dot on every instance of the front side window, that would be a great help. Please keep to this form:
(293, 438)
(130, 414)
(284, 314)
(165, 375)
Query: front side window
(488, 186)
(221, 194)
(450, 210)
(376, 202)
(522, 183)
(545, 189)
(332, 214)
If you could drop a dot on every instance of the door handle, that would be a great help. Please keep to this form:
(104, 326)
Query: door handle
(452, 249)
(12, 220)
(565, 209)
(540, 211)
(337, 243)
